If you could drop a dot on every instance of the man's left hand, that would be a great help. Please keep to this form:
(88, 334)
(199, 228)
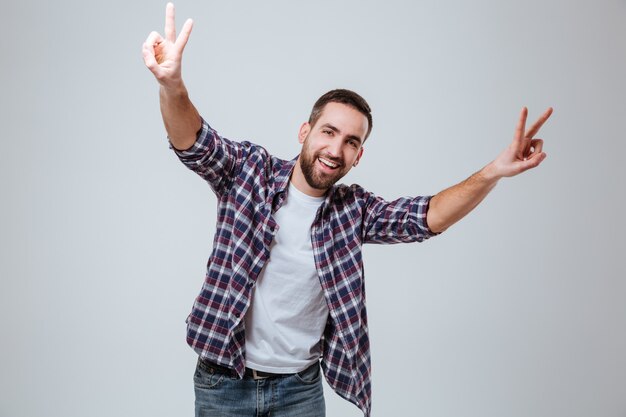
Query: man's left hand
(524, 153)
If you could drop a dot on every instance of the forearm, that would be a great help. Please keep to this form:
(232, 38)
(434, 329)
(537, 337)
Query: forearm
(180, 117)
(452, 204)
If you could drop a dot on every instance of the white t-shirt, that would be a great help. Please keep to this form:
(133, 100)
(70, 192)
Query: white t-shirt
(288, 313)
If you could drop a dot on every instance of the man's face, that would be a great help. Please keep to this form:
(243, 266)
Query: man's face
(332, 146)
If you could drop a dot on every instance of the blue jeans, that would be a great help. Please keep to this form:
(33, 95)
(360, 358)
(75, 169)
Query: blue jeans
(222, 395)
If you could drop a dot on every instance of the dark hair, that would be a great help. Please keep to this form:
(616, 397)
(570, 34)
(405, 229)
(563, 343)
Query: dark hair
(343, 96)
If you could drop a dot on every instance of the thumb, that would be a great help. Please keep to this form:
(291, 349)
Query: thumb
(532, 162)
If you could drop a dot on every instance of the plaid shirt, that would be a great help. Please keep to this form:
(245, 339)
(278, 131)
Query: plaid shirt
(251, 185)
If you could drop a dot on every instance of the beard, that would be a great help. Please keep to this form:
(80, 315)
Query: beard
(312, 173)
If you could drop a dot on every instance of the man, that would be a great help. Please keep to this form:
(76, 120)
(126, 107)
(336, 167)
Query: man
(284, 283)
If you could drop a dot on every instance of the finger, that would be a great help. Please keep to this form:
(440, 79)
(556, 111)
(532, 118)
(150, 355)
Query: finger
(151, 40)
(148, 56)
(182, 39)
(535, 127)
(148, 52)
(519, 145)
(170, 23)
(150, 60)
(532, 162)
(521, 124)
(536, 146)
(154, 38)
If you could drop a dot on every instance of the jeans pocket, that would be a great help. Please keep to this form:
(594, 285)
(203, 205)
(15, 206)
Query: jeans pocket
(310, 375)
(206, 378)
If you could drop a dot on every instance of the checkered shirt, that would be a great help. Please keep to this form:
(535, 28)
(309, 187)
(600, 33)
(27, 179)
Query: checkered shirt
(250, 185)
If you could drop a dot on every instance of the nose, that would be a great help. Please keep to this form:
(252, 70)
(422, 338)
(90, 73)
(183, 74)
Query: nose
(334, 148)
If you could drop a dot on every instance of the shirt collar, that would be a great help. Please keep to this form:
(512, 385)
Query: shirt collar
(282, 179)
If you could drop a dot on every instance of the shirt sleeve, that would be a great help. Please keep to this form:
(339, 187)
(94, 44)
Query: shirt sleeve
(214, 158)
(398, 221)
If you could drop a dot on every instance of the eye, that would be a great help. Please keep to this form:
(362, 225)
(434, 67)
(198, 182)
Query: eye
(327, 132)
(353, 143)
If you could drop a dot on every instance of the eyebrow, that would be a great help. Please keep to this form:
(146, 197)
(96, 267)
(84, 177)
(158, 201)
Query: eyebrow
(336, 130)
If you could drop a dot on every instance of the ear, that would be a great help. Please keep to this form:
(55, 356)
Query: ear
(304, 131)
(358, 158)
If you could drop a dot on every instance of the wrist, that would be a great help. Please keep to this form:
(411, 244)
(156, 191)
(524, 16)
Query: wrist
(490, 173)
(173, 88)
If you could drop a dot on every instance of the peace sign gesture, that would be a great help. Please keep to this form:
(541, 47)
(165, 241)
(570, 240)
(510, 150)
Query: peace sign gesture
(163, 56)
(525, 152)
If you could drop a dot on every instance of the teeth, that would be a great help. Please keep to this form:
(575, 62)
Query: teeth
(328, 163)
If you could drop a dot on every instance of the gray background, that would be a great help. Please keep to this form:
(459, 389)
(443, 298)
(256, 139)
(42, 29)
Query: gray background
(518, 310)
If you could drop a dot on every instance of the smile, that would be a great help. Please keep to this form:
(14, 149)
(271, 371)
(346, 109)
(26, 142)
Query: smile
(329, 164)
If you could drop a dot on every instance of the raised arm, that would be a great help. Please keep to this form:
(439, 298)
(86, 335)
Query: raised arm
(524, 153)
(163, 57)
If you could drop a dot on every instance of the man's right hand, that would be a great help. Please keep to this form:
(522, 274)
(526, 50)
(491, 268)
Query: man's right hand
(163, 55)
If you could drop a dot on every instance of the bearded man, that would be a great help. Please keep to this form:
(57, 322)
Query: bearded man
(283, 299)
